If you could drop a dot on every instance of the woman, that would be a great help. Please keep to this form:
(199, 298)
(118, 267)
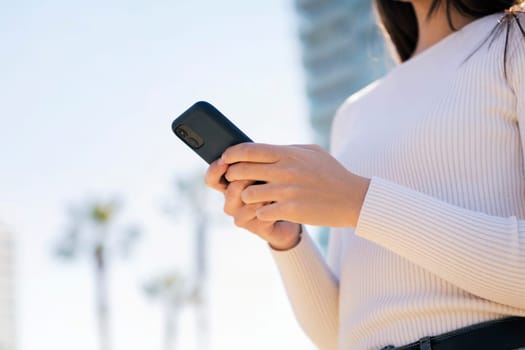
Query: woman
(425, 191)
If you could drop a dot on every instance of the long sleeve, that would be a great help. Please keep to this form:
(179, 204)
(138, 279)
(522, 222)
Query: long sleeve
(479, 253)
(309, 280)
(313, 291)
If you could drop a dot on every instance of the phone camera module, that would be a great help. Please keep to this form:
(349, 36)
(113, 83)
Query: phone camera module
(189, 136)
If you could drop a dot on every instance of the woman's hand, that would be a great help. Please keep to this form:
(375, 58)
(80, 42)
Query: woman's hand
(302, 184)
(280, 235)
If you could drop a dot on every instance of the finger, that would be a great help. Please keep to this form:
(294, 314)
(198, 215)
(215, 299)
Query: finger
(252, 152)
(312, 147)
(250, 171)
(278, 211)
(232, 196)
(267, 193)
(214, 175)
(245, 215)
(262, 229)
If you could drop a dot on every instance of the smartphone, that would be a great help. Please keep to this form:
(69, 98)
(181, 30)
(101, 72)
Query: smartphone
(207, 131)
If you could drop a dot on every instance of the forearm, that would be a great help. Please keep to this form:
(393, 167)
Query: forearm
(313, 291)
(480, 253)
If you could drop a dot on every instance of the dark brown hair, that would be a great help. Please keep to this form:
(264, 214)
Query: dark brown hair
(399, 22)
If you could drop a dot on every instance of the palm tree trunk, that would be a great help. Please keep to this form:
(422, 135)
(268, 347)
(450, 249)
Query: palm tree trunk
(202, 277)
(102, 298)
(170, 325)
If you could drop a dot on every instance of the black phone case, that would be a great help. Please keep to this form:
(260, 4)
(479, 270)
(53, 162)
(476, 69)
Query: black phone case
(217, 133)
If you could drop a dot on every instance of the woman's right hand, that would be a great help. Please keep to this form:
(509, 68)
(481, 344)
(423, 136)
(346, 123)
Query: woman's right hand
(281, 235)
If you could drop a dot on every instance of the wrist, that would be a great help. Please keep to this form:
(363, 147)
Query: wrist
(362, 195)
(290, 243)
(357, 197)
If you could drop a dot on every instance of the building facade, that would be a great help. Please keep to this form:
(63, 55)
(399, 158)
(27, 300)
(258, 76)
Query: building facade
(342, 51)
(7, 317)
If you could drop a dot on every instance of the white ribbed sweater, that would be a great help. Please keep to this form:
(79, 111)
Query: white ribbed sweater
(440, 241)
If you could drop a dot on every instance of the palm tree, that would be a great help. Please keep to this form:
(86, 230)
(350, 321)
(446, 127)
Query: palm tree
(192, 199)
(174, 293)
(91, 232)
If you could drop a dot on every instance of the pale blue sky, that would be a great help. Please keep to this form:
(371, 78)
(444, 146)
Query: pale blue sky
(87, 94)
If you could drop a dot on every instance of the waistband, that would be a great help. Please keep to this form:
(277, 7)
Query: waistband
(502, 334)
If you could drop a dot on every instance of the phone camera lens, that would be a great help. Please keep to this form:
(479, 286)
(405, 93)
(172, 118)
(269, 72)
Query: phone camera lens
(192, 142)
(182, 133)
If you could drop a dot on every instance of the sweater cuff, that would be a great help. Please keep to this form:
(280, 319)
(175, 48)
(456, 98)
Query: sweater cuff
(387, 213)
(312, 290)
(305, 248)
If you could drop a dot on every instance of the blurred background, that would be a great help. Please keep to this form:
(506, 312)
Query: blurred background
(108, 238)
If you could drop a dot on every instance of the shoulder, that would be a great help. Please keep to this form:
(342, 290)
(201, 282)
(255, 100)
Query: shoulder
(360, 94)
(345, 112)
(493, 52)
(505, 39)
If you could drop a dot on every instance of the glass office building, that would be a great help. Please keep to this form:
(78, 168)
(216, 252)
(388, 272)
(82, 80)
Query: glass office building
(342, 51)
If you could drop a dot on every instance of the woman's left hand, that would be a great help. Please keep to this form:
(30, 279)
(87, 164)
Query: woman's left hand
(303, 184)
